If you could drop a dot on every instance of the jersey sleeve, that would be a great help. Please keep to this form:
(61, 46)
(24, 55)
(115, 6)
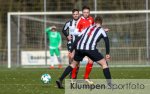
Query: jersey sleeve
(74, 45)
(60, 40)
(78, 26)
(106, 40)
(47, 29)
(92, 21)
(103, 33)
(65, 28)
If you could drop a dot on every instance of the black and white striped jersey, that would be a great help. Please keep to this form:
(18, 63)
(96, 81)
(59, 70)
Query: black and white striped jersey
(69, 28)
(89, 38)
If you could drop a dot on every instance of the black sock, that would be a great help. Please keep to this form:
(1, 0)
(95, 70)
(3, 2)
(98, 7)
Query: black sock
(107, 75)
(66, 72)
(70, 75)
(71, 71)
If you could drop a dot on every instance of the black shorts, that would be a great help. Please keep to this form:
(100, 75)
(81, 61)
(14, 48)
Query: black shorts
(70, 43)
(92, 54)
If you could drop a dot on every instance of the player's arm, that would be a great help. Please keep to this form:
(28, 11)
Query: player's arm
(78, 26)
(106, 29)
(92, 21)
(60, 40)
(106, 40)
(48, 29)
(65, 28)
(74, 45)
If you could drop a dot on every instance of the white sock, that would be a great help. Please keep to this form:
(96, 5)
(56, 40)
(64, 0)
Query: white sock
(52, 60)
(59, 59)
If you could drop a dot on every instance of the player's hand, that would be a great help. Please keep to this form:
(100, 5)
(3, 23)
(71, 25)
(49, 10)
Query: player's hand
(107, 57)
(50, 28)
(106, 29)
(70, 53)
(69, 37)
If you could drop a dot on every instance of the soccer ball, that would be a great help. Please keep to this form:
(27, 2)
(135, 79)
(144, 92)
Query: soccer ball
(46, 78)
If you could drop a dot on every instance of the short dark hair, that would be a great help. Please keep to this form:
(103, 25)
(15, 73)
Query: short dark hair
(98, 19)
(85, 7)
(74, 10)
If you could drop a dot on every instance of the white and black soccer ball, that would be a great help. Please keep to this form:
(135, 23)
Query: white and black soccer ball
(46, 78)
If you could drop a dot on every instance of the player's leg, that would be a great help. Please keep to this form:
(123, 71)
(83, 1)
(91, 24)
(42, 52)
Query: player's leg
(65, 73)
(77, 58)
(73, 74)
(75, 69)
(70, 55)
(52, 58)
(96, 56)
(88, 68)
(57, 52)
(106, 70)
(69, 69)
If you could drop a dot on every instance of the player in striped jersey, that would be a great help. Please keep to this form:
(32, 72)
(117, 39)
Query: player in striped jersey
(85, 45)
(69, 32)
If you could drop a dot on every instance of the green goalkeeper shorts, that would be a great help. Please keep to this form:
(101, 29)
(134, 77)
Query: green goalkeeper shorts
(55, 51)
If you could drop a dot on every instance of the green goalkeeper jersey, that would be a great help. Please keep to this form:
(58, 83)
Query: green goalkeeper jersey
(54, 38)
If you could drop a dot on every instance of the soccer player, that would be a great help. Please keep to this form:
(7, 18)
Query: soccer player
(84, 21)
(85, 45)
(54, 45)
(69, 32)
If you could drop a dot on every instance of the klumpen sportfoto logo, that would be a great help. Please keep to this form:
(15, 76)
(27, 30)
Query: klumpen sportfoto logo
(117, 85)
(82, 84)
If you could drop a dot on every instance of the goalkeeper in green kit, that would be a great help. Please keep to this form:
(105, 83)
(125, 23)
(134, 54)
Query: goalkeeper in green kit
(54, 45)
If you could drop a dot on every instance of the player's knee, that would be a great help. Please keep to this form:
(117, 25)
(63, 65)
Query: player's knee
(74, 64)
(103, 63)
(90, 61)
(104, 66)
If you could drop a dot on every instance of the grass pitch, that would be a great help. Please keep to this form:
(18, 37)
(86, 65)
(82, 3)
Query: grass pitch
(27, 81)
